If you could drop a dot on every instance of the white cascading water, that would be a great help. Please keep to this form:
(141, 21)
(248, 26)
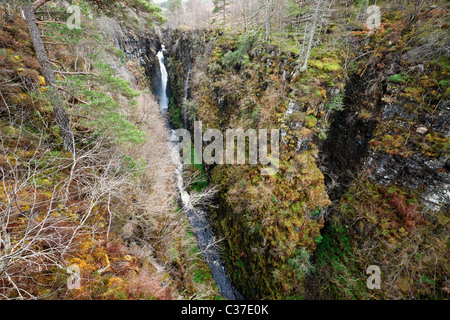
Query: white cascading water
(197, 218)
(186, 88)
(164, 104)
(185, 198)
(164, 99)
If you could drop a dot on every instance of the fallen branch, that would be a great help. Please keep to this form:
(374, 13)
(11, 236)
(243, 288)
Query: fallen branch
(56, 64)
(50, 21)
(70, 73)
(56, 43)
(72, 95)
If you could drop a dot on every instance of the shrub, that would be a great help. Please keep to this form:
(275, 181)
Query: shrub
(337, 102)
(397, 78)
(233, 59)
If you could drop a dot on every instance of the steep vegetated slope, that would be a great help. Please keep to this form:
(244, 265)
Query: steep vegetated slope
(363, 176)
(394, 212)
(108, 209)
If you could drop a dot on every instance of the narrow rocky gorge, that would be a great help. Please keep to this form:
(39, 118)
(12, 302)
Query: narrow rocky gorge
(362, 180)
(345, 156)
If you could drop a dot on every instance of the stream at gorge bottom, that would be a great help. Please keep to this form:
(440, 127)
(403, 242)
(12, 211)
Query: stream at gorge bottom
(198, 219)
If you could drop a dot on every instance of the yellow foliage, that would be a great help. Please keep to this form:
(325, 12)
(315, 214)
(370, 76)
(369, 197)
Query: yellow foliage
(21, 97)
(115, 282)
(42, 81)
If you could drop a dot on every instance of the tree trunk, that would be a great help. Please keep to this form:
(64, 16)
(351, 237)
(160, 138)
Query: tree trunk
(311, 36)
(37, 4)
(60, 114)
(267, 19)
(224, 15)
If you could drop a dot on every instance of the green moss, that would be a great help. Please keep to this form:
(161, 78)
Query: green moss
(325, 65)
(398, 78)
(311, 121)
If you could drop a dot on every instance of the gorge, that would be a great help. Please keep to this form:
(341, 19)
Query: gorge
(342, 157)
(358, 117)
(198, 219)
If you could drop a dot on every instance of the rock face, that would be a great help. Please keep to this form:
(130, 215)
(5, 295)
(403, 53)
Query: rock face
(182, 48)
(345, 149)
(383, 163)
(145, 48)
(265, 221)
(416, 168)
(386, 163)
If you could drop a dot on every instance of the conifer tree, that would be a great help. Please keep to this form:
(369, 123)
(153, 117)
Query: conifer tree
(221, 6)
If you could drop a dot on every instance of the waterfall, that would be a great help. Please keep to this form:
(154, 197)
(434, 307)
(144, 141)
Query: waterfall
(198, 219)
(186, 88)
(164, 99)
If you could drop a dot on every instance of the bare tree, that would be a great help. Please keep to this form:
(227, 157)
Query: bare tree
(197, 13)
(314, 21)
(39, 226)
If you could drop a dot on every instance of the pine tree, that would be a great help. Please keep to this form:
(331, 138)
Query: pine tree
(61, 116)
(62, 119)
(221, 6)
